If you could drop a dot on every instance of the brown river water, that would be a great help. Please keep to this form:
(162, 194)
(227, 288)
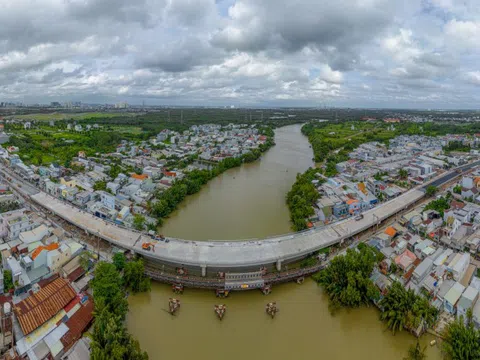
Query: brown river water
(249, 202)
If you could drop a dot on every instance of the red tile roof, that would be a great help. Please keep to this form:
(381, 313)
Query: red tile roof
(38, 308)
(77, 324)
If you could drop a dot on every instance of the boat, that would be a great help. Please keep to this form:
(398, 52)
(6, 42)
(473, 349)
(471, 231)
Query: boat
(220, 310)
(271, 309)
(177, 288)
(173, 305)
(266, 289)
(221, 293)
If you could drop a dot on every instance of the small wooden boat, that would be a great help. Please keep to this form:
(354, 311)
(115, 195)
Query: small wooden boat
(271, 309)
(177, 288)
(173, 305)
(220, 310)
(266, 289)
(221, 293)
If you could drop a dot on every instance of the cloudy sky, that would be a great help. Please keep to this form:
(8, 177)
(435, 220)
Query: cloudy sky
(358, 53)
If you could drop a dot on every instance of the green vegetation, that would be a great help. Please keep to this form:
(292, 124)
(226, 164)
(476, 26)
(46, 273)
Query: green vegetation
(119, 261)
(100, 185)
(301, 198)
(134, 277)
(346, 279)
(9, 206)
(441, 204)
(110, 339)
(86, 260)
(138, 221)
(402, 308)
(461, 339)
(40, 146)
(7, 281)
(415, 352)
(431, 190)
(403, 174)
(457, 146)
(457, 189)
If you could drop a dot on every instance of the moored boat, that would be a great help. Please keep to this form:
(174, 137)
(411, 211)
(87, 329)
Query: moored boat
(173, 305)
(271, 309)
(220, 310)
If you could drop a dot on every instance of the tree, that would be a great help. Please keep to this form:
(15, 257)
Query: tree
(431, 190)
(110, 339)
(347, 279)
(119, 261)
(402, 308)
(415, 352)
(107, 287)
(86, 260)
(403, 174)
(134, 276)
(457, 189)
(138, 221)
(7, 280)
(461, 339)
(100, 185)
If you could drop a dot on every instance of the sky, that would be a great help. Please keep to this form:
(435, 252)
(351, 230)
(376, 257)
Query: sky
(349, 53)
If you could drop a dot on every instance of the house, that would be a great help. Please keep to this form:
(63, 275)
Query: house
(43, 305)
(83, 197)
(405, 260)
(114, 187)
(467, 301)
(34, 235)
(57, 257)
(14, 223)
(39, 255)
(422, 270)
(459, 265)
(69, 182)
(451, 298)
(108, 200)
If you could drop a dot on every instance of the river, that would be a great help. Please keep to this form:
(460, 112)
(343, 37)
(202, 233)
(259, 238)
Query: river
(249, 202)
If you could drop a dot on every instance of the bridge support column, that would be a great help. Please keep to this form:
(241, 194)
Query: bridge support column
(279, 265)
(204, 270)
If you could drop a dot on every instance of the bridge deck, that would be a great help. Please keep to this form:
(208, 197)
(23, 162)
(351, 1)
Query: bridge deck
(228, 254)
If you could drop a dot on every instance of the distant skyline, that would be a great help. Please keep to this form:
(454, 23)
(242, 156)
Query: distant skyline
(345, 53)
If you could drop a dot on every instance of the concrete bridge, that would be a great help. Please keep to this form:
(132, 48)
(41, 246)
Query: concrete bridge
(204, 258)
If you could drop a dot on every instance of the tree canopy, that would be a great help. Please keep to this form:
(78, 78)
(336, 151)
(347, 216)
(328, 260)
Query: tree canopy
(346, 279)
(461, 339)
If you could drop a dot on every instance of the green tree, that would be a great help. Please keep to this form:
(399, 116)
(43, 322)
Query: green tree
(403, 174)
(107, 287)
(431, 190)
(346, 280)
(134, 276)
(119, 261)
(138, 221)
(7, 280)
(86, 260)
(100, 185)
(457, 189)
(415, 352)
(461, 339)
(402, 308)
(110, 339)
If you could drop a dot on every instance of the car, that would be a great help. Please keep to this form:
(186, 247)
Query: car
(359, 217)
